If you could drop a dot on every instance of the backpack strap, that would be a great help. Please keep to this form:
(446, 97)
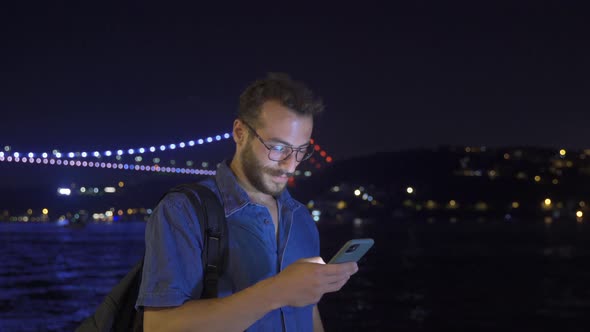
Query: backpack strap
(211, 216)
(117, 311)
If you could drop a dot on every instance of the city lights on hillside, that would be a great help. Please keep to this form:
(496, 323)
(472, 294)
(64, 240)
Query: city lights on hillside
(64, 191)
(316, 215)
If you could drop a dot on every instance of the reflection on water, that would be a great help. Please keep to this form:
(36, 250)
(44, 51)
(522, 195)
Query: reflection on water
(419, 276)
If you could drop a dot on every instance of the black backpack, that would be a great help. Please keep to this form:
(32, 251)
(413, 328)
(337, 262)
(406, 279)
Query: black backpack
(117, 311)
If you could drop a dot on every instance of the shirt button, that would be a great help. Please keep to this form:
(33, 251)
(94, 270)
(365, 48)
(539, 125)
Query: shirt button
(266, 221)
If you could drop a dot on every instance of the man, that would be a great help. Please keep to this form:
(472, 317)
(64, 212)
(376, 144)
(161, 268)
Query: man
(274, 277)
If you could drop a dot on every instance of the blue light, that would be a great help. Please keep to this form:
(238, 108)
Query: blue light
(126, 166)
(118, 153)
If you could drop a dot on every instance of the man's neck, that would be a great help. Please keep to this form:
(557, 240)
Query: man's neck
(254, 194)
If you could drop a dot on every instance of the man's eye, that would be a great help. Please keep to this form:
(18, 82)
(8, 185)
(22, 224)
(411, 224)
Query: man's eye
(279, 148)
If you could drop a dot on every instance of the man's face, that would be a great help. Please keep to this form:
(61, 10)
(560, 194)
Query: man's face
(277, 125)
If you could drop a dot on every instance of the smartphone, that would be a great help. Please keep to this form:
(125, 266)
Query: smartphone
(352, 251)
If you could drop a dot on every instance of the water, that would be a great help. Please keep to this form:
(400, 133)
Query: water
(53, 277)
(484, 276)
(464, 276)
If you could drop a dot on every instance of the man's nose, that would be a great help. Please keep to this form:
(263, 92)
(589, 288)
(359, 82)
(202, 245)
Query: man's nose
(290, 164)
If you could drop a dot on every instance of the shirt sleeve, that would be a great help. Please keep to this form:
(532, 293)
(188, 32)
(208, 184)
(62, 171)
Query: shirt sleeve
(173, 270)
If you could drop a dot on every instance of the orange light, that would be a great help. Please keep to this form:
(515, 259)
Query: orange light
(317, 148)
(329, 159)
(311, 140)
(323, 153)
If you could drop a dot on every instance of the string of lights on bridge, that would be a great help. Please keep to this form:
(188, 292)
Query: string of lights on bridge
(56, 153)
(56, 158)
(92, 164)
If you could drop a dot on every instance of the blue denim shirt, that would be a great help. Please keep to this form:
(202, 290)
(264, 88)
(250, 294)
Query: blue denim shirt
(173, 272)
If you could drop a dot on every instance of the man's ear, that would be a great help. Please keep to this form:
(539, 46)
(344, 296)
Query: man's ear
(239, 132)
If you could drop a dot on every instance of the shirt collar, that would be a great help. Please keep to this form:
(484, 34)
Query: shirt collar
(234, 197)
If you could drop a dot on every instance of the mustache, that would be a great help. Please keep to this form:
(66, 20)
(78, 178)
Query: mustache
(278, 172)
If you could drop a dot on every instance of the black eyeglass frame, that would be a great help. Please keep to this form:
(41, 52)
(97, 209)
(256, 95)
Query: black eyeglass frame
(308, 150)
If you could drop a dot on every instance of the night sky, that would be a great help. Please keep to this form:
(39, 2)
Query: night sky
(89, 75)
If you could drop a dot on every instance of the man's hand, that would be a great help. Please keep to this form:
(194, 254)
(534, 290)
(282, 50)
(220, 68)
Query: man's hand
(307, 280)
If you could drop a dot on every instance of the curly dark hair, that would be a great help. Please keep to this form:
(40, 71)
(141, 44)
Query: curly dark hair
(278, 87)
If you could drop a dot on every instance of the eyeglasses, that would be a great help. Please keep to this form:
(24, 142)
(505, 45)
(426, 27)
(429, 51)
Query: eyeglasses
(280, 152)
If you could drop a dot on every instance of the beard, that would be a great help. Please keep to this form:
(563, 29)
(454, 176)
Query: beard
(255, 172)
